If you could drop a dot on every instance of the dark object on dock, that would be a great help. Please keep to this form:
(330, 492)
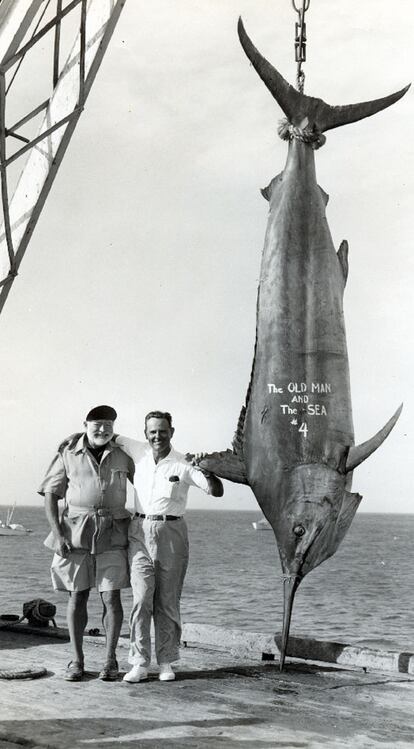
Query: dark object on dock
(9, 618)
(39, 613)
(27, 673)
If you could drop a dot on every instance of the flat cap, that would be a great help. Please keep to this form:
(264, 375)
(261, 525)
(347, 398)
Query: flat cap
(104, 413)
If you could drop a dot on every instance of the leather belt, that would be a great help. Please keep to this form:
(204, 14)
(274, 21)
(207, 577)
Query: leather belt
(157, 517)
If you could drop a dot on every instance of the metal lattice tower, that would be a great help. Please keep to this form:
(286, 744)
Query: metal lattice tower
(34, 35)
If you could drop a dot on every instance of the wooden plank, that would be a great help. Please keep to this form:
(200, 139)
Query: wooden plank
(243, 643)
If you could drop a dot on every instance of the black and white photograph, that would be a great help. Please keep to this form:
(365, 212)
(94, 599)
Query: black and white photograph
(206, 357)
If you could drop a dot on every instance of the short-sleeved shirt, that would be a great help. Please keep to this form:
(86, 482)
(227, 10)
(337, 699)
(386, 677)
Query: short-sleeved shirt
(75, 475)
(95, 518)
(162, 487)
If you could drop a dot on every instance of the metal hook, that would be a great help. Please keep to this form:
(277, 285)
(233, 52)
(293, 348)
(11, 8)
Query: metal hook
(305, 6)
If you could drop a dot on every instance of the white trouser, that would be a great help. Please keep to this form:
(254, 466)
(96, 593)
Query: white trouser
(158, 558)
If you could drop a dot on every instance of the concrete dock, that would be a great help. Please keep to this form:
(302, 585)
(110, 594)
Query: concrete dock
(225, 695)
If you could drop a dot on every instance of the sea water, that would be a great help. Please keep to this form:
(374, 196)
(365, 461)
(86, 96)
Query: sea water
(362, 595)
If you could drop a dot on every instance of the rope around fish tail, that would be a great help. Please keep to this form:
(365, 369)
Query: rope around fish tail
(313, 137)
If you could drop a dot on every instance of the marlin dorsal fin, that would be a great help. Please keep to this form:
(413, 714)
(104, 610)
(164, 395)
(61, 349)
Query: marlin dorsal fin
(325, 195)
(237, 443)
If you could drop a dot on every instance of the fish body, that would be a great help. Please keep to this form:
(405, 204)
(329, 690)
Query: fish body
(298, 422)
(294, 443)
(300, 401)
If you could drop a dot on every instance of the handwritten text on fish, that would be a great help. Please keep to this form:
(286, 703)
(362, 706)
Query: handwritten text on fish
(299, 393)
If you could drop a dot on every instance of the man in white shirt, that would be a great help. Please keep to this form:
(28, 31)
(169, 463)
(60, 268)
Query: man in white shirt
(158, 543)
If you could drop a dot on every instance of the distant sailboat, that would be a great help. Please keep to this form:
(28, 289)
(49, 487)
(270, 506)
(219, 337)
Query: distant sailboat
(261, 525)
(12, 529)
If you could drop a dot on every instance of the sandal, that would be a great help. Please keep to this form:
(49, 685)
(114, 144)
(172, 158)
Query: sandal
(110, 671)
(74, 671)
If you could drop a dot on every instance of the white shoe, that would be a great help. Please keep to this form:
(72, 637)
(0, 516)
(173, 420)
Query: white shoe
(166, 672)
(137, 673)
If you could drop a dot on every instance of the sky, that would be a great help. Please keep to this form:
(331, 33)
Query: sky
(139, 285)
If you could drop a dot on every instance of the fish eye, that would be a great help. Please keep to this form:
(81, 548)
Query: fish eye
(299, 530)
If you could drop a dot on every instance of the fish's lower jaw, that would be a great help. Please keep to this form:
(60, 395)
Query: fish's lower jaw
(290, 586)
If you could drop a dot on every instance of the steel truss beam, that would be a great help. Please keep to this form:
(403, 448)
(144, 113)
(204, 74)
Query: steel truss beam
(72, 85)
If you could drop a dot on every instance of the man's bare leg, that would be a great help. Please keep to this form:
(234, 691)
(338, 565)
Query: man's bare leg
(77, 618)
(112, 618)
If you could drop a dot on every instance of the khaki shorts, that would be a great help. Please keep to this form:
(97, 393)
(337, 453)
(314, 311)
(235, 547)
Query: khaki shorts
(81, 570)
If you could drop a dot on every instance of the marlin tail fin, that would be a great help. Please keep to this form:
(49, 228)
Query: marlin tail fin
(299, 108)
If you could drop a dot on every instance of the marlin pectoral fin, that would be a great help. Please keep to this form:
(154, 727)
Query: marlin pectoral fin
(342, 256)
(359, 453)
(267, 191)
(227, 465)
(297, 106)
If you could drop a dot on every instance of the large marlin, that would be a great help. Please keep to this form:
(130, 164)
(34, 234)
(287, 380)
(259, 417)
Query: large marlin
(294, 444)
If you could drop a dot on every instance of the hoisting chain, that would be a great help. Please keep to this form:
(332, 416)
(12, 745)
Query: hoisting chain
(300, 42)
(309, 135)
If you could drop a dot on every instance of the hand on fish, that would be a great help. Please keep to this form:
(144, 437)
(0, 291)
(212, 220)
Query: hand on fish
(194, 459)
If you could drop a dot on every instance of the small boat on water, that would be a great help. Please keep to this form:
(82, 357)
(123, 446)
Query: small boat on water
(262, 525)
(12, 529)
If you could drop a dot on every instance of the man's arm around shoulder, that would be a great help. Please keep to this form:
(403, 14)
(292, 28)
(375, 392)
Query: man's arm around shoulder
(133, 448)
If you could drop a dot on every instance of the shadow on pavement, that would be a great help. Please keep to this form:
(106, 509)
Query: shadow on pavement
(10, 640)
(270, 670)
(115, 733)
